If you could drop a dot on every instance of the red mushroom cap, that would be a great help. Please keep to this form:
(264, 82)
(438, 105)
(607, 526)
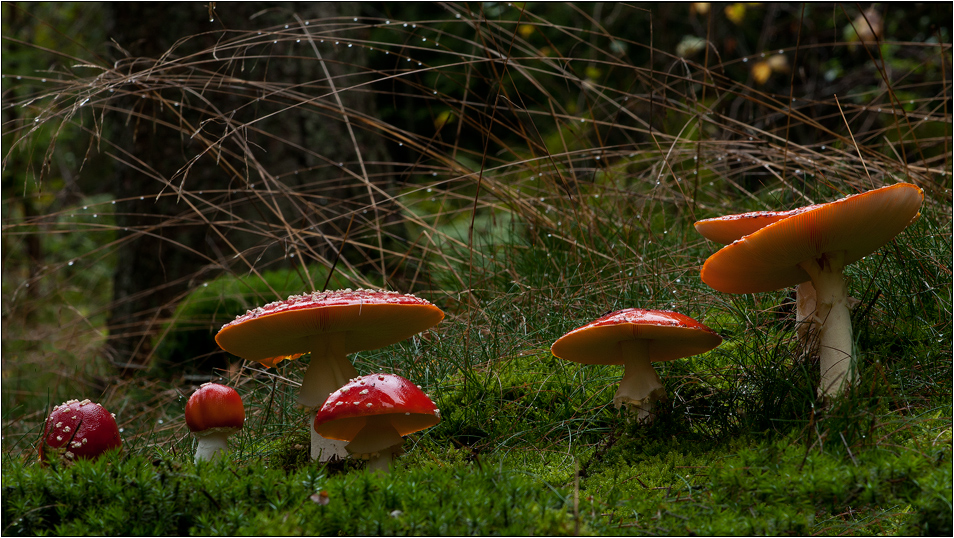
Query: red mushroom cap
(79, 429)
(214, 407)
(671, 335)
(346, 410)
(285, 330)
(857, 225)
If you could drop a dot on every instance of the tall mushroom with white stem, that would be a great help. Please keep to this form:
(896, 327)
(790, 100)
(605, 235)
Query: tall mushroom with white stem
(329, 325)
(373, 413)
(730, 228)
(634, 338)
(815, 245)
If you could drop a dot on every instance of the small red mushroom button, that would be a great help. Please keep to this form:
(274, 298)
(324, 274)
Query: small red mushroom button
(213, 413)
(79, 429)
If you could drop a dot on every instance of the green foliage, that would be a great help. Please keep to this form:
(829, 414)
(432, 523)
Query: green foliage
(187, 341)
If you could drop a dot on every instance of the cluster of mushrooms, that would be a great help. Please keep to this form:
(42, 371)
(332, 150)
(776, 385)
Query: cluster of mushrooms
(368, 416)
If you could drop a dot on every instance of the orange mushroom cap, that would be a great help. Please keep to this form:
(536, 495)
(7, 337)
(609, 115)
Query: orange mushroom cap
(346, 410)
(285, 330)
(671, 336)
(729, 228)
(769, 258)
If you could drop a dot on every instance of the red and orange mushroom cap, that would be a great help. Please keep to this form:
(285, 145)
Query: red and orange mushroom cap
(214, 407)
(669, 336)
(729, 228)
(770, 258)
(285, 330)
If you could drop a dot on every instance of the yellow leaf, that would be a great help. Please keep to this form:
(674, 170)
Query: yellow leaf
(735, 12)
(443, 119)
(761, 72)
(525, 30)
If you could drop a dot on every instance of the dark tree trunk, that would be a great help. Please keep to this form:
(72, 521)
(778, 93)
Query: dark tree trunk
(168, 248)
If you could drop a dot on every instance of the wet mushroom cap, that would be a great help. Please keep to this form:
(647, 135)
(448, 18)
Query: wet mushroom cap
(80, 429)
(285, 330)
(769, 259)
(670, 336)
(346, 411)
(214, 406)
(729, 228)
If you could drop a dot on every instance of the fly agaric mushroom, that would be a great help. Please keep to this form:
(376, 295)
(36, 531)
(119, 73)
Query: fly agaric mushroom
(816, 245)
(330, 325)
(373, 413)
(213, 413)
(79, 429)
(634, 338)
(730, 228)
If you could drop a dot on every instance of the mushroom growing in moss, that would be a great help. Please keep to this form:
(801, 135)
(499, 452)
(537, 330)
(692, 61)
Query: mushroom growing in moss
(329, 325)
(213, 413)
(730, 228)
(816, 245)
(79, 429)
(373, 413)
(634, 338)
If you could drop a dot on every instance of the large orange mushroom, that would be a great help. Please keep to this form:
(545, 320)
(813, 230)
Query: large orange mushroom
(730, 228)
(329, 325)
(815, 245)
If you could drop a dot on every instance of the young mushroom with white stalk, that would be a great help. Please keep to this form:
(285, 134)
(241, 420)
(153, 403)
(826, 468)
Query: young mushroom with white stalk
(329, 325)
(634, 338)
(373, 413)
(815, 245)
(213, 413)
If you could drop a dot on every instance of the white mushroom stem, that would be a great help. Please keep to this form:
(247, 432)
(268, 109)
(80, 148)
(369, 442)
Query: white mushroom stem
(328, 371)
(834, 321)
(379, 441)
(211, 444)
(806, 327)
(641, 387)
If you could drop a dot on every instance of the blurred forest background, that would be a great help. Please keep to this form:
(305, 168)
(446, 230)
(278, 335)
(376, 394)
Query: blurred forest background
(167, 166)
